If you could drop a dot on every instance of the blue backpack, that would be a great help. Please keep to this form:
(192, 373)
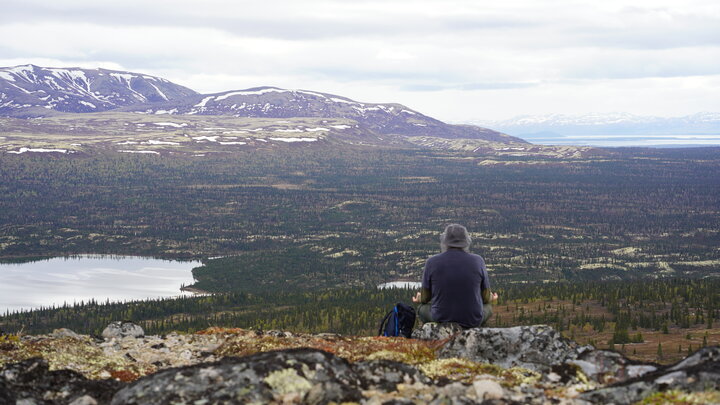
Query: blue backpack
(398, 322)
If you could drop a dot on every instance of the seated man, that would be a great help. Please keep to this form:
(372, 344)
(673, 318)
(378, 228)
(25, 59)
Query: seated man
(455, 285)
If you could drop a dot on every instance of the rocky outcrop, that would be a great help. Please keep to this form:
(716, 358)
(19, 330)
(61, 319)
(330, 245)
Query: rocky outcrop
(309, 375)
(697, 373)
(437, 331)
(522, 365)
(607, 367)
(122, 329)
(533, 347)
(31, 382)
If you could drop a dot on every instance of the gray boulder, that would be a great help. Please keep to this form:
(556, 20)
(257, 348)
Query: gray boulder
(31, 382)
(307, 375)
(437, 331)
(698, 372)
(65, 333)
(121, 329)
(537, 347)
(607, 367)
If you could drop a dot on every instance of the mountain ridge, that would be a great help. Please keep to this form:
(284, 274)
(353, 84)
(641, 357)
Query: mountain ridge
(29, 91)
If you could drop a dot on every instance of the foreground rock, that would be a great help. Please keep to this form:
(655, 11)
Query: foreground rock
(536, 348)
(606, 367)
(122, 329)
(309, 375)
(522, 365)
(31, 382)
(698, 373)
(437, 331)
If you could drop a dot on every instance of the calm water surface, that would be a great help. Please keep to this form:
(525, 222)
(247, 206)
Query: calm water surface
(401, 284)
(650, 141)
(68, 280)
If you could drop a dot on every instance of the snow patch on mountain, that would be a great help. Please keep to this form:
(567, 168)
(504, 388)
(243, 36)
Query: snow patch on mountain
(290, 140)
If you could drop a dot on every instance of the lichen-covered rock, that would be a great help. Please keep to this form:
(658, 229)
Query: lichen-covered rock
(437, 331)
(697, 373)
(279, 367)
(386, 375)
(487, 389)
(32, 381)
(609, 367)
(536, 347)
(308, 375)
(121, 329)
(66, 333)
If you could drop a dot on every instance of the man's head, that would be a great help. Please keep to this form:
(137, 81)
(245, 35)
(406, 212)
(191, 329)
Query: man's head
(455, 236)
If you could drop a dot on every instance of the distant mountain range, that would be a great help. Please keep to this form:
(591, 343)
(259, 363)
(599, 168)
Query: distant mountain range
(31, 91)
(530, 126)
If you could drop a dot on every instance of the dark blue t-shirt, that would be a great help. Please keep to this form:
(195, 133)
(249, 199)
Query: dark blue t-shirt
(455, 279)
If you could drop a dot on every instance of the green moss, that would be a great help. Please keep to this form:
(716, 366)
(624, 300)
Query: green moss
(464, 370)
(676, 397)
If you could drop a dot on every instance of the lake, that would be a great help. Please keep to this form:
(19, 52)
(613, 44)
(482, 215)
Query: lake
(649, 141)
(73, 279)
(411, 285)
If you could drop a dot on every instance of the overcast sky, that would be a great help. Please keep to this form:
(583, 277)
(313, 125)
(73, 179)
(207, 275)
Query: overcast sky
(454, 60)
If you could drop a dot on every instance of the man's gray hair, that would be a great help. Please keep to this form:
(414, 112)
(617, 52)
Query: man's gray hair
(455, 236)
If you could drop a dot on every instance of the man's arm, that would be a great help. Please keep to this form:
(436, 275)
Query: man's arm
(425, 296)
(488, 296)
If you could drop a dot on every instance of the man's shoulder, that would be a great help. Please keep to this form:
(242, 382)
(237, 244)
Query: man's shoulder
(435, 258)
(477, 257)
(479, 260)
(443, 255)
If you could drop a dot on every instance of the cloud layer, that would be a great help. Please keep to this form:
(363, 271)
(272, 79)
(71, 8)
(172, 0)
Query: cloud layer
(456, 60)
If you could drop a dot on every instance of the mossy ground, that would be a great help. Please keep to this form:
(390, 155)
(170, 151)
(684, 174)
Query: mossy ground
(674, 397)
(352, 348)
(79, 355)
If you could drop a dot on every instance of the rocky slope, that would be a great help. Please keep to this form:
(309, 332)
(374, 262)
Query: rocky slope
(443, 364)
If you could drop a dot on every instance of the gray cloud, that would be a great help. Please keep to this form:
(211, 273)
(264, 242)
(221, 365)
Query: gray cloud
(405, 50)
(267, 22)
(468, 86)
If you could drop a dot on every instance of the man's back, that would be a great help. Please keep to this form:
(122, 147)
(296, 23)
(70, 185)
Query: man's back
(455, 279)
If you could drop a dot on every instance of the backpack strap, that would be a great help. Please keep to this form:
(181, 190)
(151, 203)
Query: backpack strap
(397, 321)
(384, 321)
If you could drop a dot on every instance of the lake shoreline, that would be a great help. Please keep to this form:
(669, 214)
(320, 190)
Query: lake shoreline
(196, 291)
(68, 280)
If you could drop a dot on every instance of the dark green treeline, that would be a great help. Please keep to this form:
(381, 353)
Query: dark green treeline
(638, 304)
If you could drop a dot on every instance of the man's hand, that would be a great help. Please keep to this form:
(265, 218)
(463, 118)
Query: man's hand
(494, 297)
(416, 298)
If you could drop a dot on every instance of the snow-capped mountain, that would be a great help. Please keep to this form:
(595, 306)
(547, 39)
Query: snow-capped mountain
(31, 90)
(273, 102)
(606, 124)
